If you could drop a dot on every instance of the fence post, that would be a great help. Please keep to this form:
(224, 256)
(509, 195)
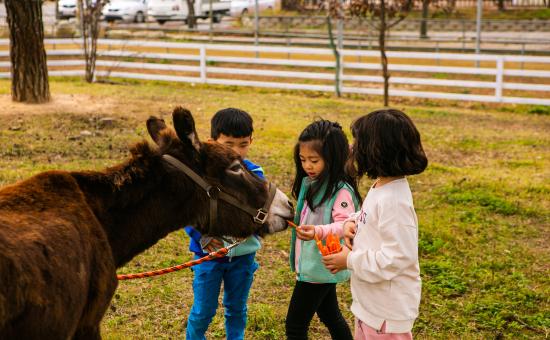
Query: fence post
(478, 28)
(287, 27)
(499, 79)
(522, 53)
(437, 51)
(463, 35)
(256, 25)
(341, 70)
(203, 63)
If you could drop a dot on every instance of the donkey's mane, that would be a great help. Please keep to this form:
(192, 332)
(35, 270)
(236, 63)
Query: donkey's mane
(130, 181)
(143, 155)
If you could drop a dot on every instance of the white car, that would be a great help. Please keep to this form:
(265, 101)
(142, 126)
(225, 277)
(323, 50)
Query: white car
(176, 10)
(242, 8)
(66, 9)
(125, 10)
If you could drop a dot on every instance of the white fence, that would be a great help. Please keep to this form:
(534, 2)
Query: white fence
(414, 74)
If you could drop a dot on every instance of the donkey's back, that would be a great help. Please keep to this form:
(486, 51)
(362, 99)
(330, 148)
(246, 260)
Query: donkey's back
(54, 258)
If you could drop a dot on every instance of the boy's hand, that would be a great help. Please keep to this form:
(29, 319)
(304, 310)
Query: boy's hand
(350, 228)
(305, 232)
(213, 245)
(337, 262)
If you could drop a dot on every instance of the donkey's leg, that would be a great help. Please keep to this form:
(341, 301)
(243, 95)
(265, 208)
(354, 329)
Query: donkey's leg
(87, 333)
(89, 325)
(102, 289)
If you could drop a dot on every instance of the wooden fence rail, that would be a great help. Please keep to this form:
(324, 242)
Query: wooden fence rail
(500, 78)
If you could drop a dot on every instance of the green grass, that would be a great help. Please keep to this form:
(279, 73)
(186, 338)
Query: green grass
(482, 203)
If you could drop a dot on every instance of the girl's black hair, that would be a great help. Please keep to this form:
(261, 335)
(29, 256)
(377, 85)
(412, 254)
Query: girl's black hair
(330, 142)
(386, 143)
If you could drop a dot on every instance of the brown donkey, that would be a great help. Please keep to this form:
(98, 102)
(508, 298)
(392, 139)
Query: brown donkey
(63, 234)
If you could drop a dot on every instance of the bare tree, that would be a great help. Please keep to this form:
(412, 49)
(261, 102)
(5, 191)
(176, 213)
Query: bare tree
(191, 18)
(446, 6)
(292, 5)
(29, 69)
(335, 10)
(424, 22)
(89, 13)
(388, 14)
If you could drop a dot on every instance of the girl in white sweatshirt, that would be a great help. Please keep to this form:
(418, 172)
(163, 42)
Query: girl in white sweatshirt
(383, 235)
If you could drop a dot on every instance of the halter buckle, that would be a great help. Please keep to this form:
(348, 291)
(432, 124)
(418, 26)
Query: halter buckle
(213, 192)
(261, 216)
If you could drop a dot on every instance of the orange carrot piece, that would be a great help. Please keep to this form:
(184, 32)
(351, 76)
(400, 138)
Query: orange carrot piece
(333, 244)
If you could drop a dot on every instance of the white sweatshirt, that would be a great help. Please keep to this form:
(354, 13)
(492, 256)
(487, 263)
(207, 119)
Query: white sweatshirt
(385, 275)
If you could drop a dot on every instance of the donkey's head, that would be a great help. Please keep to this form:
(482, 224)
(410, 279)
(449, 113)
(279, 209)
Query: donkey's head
(214, 188)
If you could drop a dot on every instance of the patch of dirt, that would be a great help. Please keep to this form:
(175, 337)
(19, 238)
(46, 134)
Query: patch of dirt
(74, 103)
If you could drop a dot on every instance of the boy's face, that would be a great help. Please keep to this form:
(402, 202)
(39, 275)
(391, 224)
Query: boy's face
(240, 145)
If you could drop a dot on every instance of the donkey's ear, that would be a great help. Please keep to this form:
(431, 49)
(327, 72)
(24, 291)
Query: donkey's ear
(155, 126)
(185, 126)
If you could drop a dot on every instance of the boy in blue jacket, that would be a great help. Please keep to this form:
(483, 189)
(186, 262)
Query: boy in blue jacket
(231, 127)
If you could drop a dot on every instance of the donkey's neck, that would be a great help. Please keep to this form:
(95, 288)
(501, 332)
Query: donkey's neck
(129, 202)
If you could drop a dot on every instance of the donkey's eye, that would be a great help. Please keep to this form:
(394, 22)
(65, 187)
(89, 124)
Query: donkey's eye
(235, 168)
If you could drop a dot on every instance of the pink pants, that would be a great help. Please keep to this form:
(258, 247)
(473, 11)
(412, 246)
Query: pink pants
(364, 332)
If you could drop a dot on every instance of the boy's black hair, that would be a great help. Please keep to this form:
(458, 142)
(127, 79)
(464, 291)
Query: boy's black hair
(231, 122)
(386, 144)
(330, 142)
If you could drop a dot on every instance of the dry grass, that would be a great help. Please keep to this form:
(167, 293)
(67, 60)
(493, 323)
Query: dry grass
(482, 203)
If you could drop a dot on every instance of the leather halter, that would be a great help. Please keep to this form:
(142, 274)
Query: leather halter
(259, 216)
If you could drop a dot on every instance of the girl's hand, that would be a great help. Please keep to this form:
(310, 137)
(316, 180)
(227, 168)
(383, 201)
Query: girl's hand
(350, 228)
(337, 262)
(305, 232)
(214, 245)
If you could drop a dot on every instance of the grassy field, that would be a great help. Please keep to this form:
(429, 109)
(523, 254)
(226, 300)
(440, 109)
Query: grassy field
(482, 204)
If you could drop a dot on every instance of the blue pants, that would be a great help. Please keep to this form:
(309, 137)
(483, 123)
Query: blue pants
(237, 276)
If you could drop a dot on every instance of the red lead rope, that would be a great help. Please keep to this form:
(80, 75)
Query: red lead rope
(213, 255)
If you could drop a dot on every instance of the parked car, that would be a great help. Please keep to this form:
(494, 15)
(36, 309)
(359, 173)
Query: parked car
(66, 9)
(125, 10)
(176, 10)
(243, 8)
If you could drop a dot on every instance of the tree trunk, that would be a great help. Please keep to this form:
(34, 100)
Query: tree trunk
(337, 81)
(90, 12)
(424, 23)
(383, 57)
(29, 69)
(191, 19)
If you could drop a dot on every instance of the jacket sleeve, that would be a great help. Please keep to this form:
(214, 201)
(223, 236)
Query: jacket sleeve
(342, 208)
(352, 217)
(398, 251)
(259, 172)
(254, 168)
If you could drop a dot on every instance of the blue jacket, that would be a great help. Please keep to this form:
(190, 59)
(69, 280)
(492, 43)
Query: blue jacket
(251, 245)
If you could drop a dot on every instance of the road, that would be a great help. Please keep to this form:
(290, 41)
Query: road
(48, 17)
(531, 38)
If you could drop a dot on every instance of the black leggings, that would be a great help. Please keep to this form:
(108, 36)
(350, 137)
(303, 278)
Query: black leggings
(308, 298)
